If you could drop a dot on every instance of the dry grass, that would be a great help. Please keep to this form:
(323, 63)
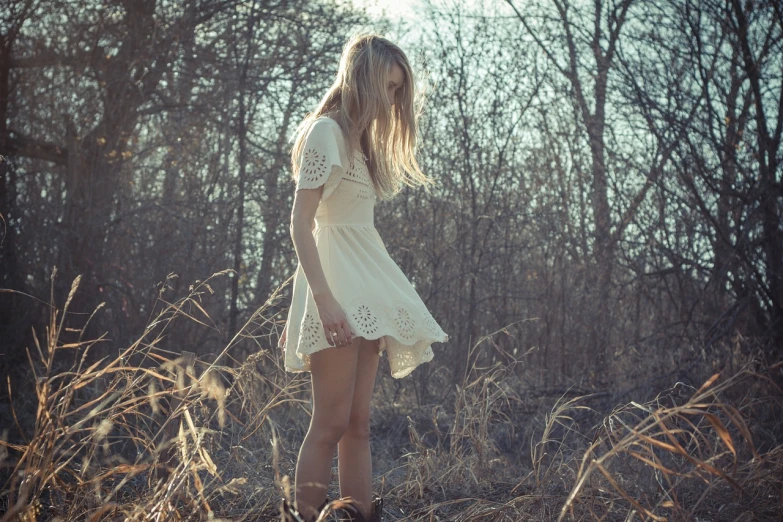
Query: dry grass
(153, 434)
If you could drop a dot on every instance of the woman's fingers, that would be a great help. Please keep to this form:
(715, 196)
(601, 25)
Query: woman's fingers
(335, 322)
(340, 337)
(346, 332)
(328, 331)
(338, 334)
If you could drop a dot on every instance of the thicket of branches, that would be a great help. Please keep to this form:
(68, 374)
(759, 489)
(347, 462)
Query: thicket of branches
(151, 434)
(608, 195)
(603, 240)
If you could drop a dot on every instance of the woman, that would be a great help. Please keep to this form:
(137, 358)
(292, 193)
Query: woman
(350, 300)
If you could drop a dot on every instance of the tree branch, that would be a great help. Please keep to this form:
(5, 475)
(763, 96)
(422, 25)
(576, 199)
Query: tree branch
(30, 148)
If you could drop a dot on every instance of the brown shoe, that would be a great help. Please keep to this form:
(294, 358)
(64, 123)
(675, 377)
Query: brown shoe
(377, 509)
(321, 507)
(289, 513)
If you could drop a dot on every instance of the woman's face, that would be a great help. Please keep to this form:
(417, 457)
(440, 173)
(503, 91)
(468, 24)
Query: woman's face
(394, 84)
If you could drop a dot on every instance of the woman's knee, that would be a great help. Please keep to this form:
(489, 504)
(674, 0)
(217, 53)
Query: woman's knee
(358, 427)
(328, 430)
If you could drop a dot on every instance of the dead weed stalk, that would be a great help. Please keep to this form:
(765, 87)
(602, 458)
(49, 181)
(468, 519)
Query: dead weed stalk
(129, 439)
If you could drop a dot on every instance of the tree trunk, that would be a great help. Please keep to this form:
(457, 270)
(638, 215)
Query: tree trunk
(7, 183)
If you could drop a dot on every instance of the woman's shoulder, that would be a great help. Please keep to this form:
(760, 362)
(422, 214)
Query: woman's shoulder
(325, 128)
(325, 118)
(325, 123)
(325, 136)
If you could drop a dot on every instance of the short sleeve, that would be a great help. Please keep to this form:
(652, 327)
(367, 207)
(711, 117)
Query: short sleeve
(323, 159)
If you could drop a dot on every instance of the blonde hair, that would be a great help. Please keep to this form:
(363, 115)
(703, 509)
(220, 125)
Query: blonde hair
(387, 134)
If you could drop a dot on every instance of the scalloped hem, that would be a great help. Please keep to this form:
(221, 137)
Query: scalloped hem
(400, 361)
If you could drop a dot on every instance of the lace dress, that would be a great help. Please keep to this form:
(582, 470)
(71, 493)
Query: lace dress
(378, 300)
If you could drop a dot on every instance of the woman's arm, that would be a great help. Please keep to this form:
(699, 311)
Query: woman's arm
(302, 224)
(284, 335)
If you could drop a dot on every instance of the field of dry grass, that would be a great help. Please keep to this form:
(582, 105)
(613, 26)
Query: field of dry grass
(155, 434)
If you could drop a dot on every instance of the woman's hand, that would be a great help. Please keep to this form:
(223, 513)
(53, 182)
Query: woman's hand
(334, 321)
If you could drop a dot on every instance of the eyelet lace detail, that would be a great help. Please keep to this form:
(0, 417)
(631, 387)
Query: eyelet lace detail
(405, 332)
(405, 324)
(313, 166)
(373, 320)
(430, 324)
(361, 190)
(366, 319)
(312, 332)
(358, 174)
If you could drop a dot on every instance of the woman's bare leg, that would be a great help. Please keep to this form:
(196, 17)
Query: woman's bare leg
(333, 373)
(354, 461)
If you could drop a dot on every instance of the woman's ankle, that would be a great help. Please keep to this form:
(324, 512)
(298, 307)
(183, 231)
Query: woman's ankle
(293, 514)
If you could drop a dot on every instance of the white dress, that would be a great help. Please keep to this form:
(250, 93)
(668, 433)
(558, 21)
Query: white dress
(378, 300)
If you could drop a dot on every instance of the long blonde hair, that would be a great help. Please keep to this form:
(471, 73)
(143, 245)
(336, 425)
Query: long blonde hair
(387, 134)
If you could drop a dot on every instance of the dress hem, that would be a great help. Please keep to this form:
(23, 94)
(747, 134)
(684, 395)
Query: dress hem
(426, 354)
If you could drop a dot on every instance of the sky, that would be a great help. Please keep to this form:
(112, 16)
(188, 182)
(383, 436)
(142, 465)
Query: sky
(405, 11)
(392, 8)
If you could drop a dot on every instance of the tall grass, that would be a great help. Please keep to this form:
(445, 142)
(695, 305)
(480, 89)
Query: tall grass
(159, 434)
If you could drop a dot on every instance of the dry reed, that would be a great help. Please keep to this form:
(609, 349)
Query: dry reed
(156, 434)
